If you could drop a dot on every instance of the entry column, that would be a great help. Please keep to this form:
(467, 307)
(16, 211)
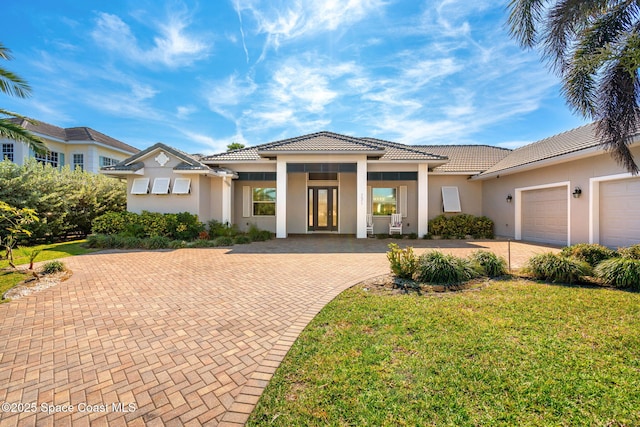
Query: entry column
(281, 199)
(361, 194)
(423, 199)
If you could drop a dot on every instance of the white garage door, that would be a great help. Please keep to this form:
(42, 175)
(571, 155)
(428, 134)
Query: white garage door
(620, 212)
(544, 215)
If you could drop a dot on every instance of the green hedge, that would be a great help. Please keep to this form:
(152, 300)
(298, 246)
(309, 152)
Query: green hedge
(180, 226)
(460, 226)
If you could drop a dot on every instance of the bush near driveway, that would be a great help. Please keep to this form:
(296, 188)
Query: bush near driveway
(620, 272)
(461, 225)
(591, 253)
(443, 269)
(557, 268)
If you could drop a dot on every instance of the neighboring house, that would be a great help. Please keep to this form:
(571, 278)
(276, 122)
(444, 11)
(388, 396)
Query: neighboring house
(80, 147)
(329, 183)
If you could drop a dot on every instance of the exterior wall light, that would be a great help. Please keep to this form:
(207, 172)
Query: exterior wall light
(509, 198)
(577, 192)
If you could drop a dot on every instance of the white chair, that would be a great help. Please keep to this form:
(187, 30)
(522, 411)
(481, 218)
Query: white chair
(395, 226)
(369, 224)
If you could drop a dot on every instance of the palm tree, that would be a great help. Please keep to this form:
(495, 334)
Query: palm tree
(594, 46)
(14, 85)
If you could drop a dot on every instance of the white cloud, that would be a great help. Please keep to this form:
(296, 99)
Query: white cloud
(213, 145)
(284, 20)
(184, 111)
(172, 46)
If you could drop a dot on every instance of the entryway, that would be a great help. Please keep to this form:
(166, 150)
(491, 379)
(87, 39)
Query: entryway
(323, 209)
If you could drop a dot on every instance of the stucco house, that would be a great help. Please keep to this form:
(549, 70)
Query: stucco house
(80, 147)
(551, 191)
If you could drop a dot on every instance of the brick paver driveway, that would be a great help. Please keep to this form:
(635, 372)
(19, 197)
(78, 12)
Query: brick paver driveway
(185, 337)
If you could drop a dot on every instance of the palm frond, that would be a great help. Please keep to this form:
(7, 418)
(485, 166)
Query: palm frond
(619, 115)
(524, 16)
(11, 83)
(17, 133)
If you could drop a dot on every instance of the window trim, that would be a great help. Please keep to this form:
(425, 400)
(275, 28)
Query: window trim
(264, 202)
(76, 164)
(395, 193)
(6, 154)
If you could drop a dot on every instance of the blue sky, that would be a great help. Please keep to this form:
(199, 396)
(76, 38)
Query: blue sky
(199, 75)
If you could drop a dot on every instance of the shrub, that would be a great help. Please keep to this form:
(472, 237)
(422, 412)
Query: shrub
(241, 239)
(412, 236)
(53, 267)
(632, 252)
(438, 268)
(223, 241)
(403, 262)
(183, 225)
(591, 253)
(460, 226)
(217, 229)
(257, 235)
(492, 264)
(112, 222)
(156, 242)
(103, 241)
(177, 244)
(557, 268)
(129, 242)
(620, 272)
(202, 244)
(204, 235)
(382, 236)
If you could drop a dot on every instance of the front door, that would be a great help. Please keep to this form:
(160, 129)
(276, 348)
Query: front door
(323, 209)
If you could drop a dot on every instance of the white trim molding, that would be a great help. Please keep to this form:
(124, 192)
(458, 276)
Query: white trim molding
(518, 207)
(594, 202)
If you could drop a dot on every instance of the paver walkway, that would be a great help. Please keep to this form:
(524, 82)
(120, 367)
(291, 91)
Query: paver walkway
(185, 337)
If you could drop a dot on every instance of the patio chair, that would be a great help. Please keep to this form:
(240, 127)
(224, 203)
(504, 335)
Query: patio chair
(369, 224)
(395, 226)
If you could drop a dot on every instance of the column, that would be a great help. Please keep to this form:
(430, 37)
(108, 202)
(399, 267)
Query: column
(361, 194)
(226, 200)
(423, 199)
(281, 199)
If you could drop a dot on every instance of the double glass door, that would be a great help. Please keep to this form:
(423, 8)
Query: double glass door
(323, 209)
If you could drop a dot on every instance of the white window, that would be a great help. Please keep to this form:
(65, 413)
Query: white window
(51, 157)
(107, 161)
(181, 186)
(140, 186)
(450, 199)
(7, 152)
(161, 186)
(78, 161)
(264, 201)
(384, 201)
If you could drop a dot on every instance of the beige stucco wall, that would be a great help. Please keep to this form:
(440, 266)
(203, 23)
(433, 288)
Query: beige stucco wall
(577, 172)
(470, 193)
(347, 207)
(169, 203)
(410, 222)
(262, 222)
(296, 203)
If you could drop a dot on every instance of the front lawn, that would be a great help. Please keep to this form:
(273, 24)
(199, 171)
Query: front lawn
(514, 353)
(10, 278)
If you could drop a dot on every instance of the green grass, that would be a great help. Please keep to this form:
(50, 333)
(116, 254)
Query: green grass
(9, 279)
(516, 353)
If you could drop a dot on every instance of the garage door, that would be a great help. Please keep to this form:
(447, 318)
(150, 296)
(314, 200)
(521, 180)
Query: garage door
(544, 215)
(620, 212)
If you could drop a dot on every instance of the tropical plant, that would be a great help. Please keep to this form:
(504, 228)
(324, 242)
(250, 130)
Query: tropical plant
(620, 272)
(13, 223)
(53, 267)
(591, 253)
(14, 85)
(557, 268)
(492, 264)
(632, 251)
(235, 146)
(594, 46)
(403, 262)
(438, 268)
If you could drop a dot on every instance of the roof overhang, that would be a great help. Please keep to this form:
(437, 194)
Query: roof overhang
(122, 172)
(271, 153)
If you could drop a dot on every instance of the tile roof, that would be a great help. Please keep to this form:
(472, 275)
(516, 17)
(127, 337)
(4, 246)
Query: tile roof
(72, 134)
(326, 142)
(564, 143)
(188, 162)
(466, 158)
